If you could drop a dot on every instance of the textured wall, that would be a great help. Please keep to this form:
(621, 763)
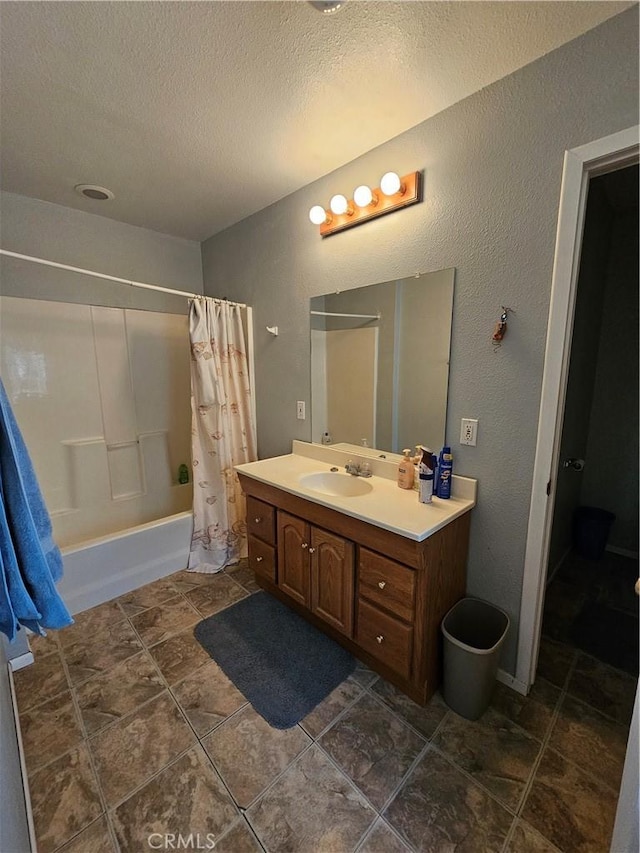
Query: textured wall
(493, 167)
(611, 474)
(56, 233)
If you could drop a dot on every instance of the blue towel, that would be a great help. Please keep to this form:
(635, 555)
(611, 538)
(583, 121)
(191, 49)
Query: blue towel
(30, 561)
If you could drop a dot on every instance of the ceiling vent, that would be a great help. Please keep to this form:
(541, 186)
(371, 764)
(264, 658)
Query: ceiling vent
(94, 192)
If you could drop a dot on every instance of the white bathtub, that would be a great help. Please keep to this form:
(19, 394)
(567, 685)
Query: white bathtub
(98, 570)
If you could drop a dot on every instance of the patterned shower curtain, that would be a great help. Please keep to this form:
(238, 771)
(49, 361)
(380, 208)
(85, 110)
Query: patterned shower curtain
(223, 433)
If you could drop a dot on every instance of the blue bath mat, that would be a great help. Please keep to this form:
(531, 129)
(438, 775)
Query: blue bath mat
(281, 663)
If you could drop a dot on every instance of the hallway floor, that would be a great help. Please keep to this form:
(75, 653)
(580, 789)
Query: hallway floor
(130, 729)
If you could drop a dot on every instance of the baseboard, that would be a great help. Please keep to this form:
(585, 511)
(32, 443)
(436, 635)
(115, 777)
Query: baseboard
(519, 686)
(21, 661)
(624, 552)
(23, 762)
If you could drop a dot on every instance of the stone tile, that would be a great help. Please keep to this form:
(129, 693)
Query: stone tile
(562, 605)
(64, 799)
(312, 808)
(118, 691)
(94, 653)
(185, 580)
(554, 661)
(373, 747)
(138, 746)
(96, 838)
(363, 675)
(148, 596)
(213, 597)
(607, 689)
(249, 754)
(494, 751)
(95, 619)
(329, 708)
(525, 839)
(188, 797)
(243, 575)
(207, 697)
(179, 656)
(41, 646)
(43, 680)
(164, 620)
(425, 719)
(573, 810)
(440, 809)
(533, 712)
(382, 840)
(590, 740)
(49, 730)
(240, 839)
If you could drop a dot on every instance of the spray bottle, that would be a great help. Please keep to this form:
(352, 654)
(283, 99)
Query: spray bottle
(427, 468)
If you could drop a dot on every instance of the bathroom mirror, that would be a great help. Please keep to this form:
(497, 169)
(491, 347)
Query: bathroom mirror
(380, 363)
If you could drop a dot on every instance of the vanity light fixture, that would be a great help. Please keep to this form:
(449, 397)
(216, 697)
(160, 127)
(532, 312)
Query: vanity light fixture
(394, 193)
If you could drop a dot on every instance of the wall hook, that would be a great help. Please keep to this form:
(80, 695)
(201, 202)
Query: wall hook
(273, 330)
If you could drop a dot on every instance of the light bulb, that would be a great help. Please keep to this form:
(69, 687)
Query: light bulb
(339, 204)
(363, 196)
(318, 215)
(390, 183)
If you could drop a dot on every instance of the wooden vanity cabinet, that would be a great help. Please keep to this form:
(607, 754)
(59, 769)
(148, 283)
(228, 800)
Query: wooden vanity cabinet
(316, 570)
(379, 594)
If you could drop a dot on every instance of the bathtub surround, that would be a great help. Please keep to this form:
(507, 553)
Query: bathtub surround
(492, 166)
(222, 432)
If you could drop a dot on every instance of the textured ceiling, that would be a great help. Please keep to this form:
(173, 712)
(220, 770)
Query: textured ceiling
(198, 114)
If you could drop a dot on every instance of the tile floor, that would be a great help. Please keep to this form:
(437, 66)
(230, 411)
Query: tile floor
(130, 729)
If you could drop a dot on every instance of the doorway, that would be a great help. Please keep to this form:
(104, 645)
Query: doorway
(590, 602)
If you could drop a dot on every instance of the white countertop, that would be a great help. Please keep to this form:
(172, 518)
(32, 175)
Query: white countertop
(386, 505)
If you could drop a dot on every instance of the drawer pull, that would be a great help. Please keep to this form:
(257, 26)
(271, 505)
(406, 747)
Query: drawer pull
(258, 520)
(382, 584)
(311, 550)
(259, 559)
(305, 545)
(379, 638)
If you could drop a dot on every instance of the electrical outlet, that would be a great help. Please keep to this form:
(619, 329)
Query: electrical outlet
(300, 410)
(469, 431)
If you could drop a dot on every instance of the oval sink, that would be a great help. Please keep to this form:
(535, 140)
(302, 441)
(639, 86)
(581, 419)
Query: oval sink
(337, 484)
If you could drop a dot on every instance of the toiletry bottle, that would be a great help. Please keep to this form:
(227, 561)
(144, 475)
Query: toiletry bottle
(427, 465)
(445, 470)
(405, 470)
(416, 466)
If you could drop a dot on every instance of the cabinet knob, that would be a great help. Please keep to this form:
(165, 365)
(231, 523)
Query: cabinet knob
(259, 559)
(379, 638)
(257, 520)
(382, 584)
(305, 545)
(311, 550)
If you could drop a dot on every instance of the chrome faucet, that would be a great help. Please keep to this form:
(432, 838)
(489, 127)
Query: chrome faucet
(358, 469)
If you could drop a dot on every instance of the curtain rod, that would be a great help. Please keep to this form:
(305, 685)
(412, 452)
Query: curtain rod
(360, 316)
(140, 284)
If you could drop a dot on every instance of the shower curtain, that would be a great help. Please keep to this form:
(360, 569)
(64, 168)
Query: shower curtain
(223, 433)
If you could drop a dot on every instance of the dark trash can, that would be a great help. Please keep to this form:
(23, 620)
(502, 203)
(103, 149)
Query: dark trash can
(474, 632)
(591, 527)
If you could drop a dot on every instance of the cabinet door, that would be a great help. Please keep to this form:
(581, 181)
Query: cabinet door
(332, 584)
(293, 557)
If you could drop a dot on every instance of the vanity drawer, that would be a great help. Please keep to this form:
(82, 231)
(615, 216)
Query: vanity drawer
(261, 520)
(262, 558)
(386, 638)
(387, 583)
